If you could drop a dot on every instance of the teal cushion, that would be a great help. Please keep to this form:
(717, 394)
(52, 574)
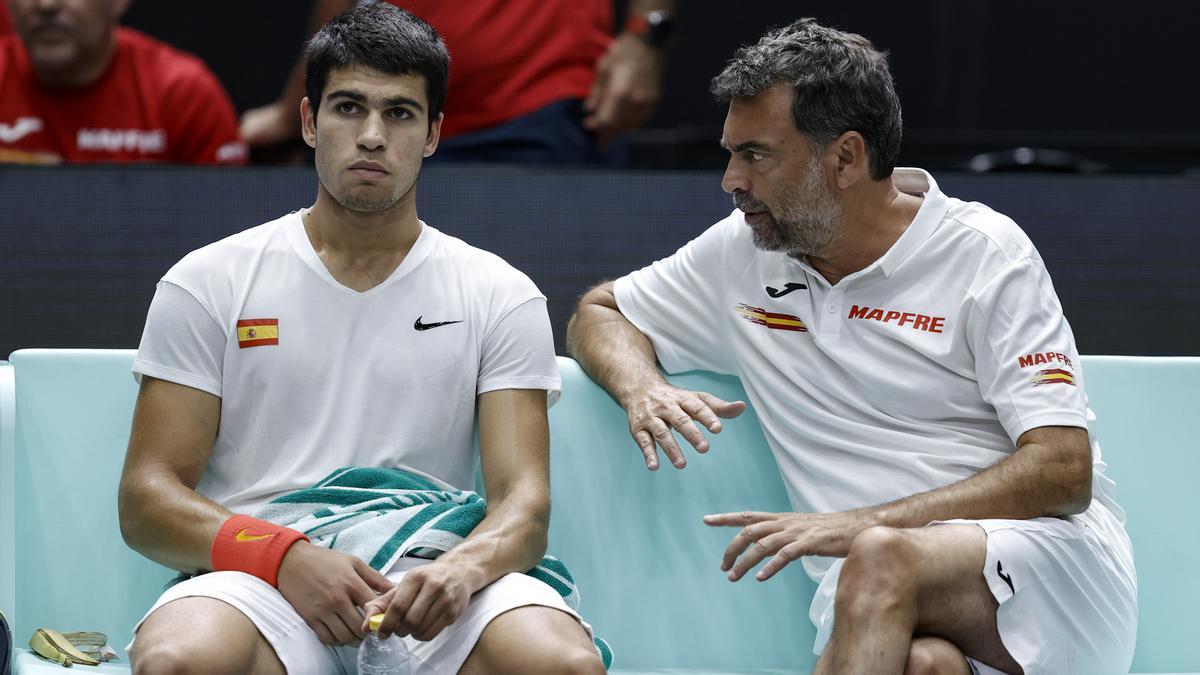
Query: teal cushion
(73, 569)
(1144, 409)
(646, 566)
(648, 569)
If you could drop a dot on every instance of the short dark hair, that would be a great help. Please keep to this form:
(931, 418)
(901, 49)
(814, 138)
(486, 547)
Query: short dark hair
(842, 83)
(384, 38)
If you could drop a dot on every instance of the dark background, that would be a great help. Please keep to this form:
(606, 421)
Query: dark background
(1113, 82)
(83, 247)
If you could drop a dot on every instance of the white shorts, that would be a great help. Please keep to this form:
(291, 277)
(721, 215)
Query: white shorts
(1067, 592)
(303, 653)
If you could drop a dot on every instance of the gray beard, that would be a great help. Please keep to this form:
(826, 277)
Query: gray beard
(807, 222)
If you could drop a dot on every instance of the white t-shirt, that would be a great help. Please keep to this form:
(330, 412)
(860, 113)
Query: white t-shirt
(914, 373)
(314, 376)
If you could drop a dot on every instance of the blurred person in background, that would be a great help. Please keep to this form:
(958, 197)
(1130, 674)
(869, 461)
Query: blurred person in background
(539, 81)
(77, 88)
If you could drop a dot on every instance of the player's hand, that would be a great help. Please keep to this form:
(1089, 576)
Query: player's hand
(654, 412)
(626, 89)
(270, 125)
(426, 600)
(786, 537)
(327, 588)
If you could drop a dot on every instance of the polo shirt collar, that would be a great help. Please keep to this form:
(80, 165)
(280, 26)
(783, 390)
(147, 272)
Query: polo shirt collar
(929, 216)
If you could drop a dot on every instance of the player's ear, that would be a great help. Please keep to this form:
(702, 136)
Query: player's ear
(435, 135)
(308, 122)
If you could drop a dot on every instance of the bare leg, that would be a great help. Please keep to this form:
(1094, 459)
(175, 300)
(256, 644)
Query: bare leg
(201, 635)
(534, 640)
(897, 584)
(935, 656)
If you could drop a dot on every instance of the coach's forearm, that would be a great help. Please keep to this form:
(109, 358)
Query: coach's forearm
(610, 348)
(1050, 474)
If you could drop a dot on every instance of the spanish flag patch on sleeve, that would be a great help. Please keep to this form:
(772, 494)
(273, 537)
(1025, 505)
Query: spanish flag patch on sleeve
(257, 332)
(1054, 376)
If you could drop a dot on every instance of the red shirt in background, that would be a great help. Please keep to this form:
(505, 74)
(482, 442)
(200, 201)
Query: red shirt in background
(5, 21)
(511, 57)
(153, 104)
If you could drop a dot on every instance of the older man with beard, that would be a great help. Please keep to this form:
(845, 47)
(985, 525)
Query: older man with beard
(914, 374)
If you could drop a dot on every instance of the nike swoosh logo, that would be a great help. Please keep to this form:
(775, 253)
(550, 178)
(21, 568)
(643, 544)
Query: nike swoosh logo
(791, 286)
(426, 326)
(243, 536)
(1007, 579)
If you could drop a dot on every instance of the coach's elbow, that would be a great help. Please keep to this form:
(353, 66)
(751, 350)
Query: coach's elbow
(1074, 484)
(596, 306)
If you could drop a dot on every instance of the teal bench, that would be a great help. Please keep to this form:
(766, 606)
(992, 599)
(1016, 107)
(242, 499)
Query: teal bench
(647, 567)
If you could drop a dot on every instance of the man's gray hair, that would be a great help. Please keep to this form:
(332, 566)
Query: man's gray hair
(842, 83)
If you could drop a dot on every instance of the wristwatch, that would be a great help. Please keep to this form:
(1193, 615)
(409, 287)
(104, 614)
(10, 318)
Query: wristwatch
(653, 27)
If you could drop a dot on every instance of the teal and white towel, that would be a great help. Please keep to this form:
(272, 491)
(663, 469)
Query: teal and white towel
(380, 515)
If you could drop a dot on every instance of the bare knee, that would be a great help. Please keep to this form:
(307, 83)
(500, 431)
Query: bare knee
(577, 661)
(935, 656)
(202, 636)
(879, 572)
(149, 658)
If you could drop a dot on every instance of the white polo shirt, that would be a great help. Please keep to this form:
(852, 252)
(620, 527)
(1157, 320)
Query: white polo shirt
(314, 376)
(916, 372)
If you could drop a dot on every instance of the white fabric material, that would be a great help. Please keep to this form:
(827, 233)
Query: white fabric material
(303, 653)
(1072, 605)
(917, 372)
(351, 381)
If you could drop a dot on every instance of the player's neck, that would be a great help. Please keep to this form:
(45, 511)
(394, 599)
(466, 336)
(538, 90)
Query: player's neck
(361, 250)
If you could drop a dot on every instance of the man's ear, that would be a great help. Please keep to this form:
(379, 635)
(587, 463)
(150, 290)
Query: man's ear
(850, 161)
(308, 123)
(435, 135)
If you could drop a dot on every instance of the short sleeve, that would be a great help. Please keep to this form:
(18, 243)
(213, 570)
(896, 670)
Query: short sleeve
(678, 303)
(182, 342)
(518, 352)
(1026, 361)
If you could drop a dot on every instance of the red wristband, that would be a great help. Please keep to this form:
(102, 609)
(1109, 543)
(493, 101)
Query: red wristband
(253, 546)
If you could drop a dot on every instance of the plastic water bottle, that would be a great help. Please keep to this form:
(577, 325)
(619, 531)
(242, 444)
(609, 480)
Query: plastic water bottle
(383, 657)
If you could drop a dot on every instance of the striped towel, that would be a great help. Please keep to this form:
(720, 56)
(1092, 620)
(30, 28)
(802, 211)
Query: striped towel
(380, 515)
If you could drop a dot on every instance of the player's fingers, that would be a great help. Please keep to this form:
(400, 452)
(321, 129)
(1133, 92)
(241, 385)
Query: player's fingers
(420, 607)
(342, 634)
(323, 633)
(444, 620)
(373, 578)
(353, 621)
(402, 598)
(433, 617)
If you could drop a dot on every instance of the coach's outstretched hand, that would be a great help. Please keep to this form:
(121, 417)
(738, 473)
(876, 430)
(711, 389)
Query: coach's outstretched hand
(786, 537)
(327, 588)
(654, 412)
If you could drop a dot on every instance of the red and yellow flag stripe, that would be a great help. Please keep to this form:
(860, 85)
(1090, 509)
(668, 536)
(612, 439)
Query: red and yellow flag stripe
(1054, 376)
(773, 320)
(257, 332)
